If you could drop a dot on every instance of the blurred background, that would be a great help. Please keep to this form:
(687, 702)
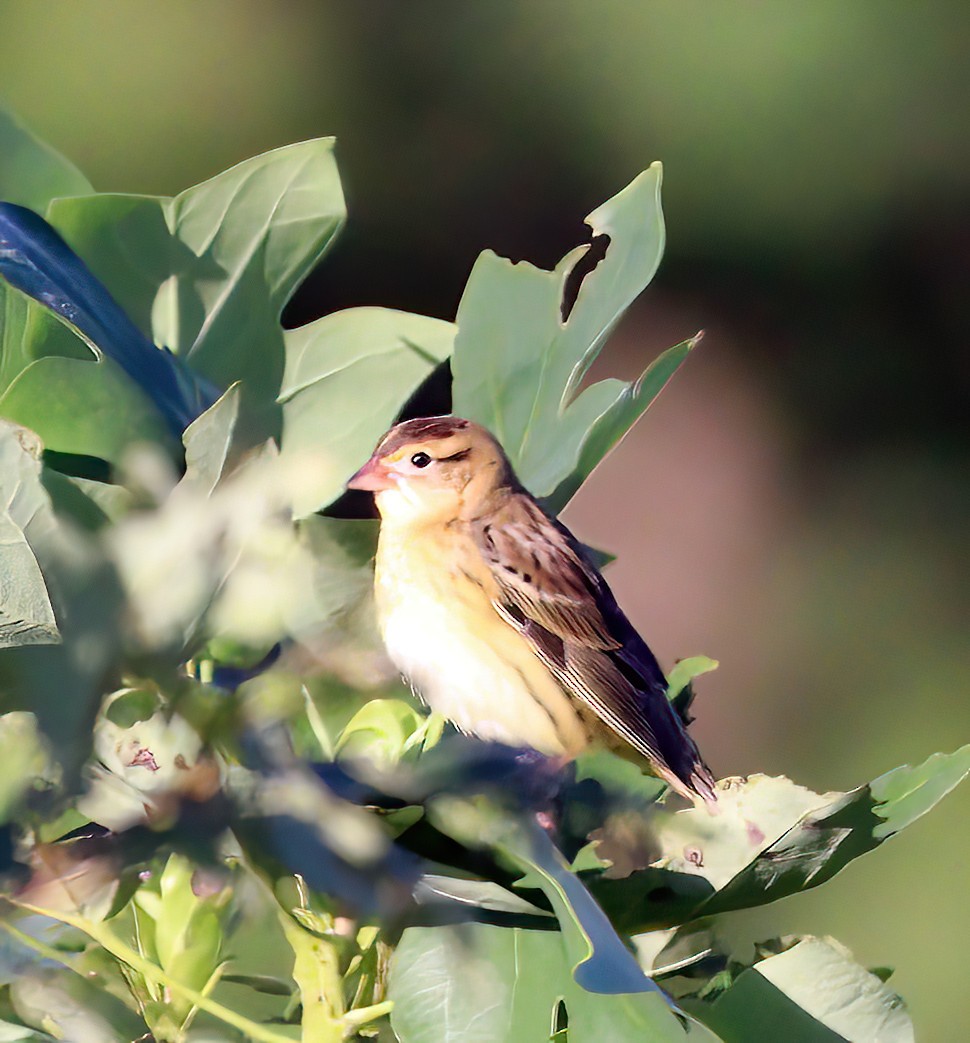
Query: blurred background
(797, 503)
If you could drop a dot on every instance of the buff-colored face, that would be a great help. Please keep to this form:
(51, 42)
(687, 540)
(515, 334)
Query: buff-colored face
(433, 468)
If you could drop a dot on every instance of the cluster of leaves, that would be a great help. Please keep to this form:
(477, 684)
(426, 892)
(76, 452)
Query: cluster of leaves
(223, 817)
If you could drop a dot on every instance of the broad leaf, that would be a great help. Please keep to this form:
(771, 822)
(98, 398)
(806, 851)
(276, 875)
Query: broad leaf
(84, 407)
(73, 1007)
(598, 960)
(347, 376)
(209, 442)
(518, 366)
(31, 174)
(26, 613)
(477, 983)
(37, 261)
(205, 274)
(23, 758)
(62, 683)
(813, 992)
(87, 503)
(771, 839)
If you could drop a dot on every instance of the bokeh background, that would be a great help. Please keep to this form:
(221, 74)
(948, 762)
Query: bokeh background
(797, 503)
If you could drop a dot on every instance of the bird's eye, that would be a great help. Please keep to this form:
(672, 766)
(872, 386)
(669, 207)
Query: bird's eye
(420, 459)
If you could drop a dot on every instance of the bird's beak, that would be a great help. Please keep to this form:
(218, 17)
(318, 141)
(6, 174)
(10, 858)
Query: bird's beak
(373, 476)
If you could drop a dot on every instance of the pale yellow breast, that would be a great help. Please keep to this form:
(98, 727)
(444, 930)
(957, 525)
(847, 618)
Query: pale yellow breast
(444, 635)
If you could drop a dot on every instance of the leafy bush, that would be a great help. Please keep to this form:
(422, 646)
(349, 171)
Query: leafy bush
(224, 818)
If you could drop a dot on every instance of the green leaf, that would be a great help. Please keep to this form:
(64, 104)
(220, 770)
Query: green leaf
(346, 377)
(86, 502)
(26, 613)
(208, 442)
(813, 992)
(478, 895)
(80, 406)
(827, 838)
(685, 670)
(598, 959)
(23, 757)
(264, 983)
(187, 929)
(130, 706)
(11, 1033)
(206, 274)
(74, 1008)
(62, 684)
(477, 983)
(903, 795)
(31, 172)
(770, 839)
(518, 367)
(380, 731)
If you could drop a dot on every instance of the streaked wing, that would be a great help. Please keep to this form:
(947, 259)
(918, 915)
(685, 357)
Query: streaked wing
(540, 573)
(565, 609)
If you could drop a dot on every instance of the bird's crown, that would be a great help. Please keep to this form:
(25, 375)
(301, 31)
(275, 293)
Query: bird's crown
(421, 429)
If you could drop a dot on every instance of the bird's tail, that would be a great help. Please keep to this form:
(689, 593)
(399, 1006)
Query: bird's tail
(679, 761)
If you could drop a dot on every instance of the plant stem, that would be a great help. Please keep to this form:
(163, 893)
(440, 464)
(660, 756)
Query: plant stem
(316, 970)
(103, 935)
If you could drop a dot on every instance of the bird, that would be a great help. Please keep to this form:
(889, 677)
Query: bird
(494, 613)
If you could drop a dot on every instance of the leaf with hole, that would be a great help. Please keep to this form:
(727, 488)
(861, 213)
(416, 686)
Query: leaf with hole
(518, 365)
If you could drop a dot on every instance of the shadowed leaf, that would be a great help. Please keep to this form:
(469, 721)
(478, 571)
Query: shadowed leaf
(373, 355)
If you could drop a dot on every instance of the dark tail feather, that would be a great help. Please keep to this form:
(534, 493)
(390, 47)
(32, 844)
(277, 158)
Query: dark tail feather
(683, 766)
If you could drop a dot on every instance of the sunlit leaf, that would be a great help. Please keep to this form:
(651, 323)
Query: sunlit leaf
(685, 670)
(37, 261)
(599, 960)
(813, 992)
(317, 975)
(770, 839)
(209, 442)
(31, 174)
(518, 366)
(380, 731)
(26, 613)
(477, 983)
(205, 274)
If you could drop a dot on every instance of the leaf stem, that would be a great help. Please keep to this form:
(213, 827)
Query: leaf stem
(102, 934)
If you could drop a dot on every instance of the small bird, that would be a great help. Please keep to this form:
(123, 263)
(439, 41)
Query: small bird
(496, 616)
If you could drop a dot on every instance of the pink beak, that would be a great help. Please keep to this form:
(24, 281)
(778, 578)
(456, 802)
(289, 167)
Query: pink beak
(373, 476)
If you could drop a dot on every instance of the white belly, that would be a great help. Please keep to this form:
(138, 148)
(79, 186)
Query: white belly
(465, 661)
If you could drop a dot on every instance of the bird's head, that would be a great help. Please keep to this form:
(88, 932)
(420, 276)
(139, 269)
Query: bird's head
(435, 468)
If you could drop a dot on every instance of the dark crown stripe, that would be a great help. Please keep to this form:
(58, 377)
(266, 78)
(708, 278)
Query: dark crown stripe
(421, 429)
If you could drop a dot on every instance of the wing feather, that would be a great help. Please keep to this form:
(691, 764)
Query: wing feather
(562, 605)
